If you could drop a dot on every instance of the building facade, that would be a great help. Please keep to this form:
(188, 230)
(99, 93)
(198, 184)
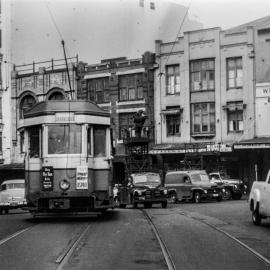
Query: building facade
(35, 82)
(205, 97)
(123, 87)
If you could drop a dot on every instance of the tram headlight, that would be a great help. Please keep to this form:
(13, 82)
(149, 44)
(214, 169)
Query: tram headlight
(64, 184)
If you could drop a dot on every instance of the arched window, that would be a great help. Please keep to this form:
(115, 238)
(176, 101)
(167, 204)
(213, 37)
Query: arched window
(26, 103)
(56, 96)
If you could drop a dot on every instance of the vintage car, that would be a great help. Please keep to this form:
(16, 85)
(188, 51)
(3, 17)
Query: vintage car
(145, 188)
(192, 185)
(234, 188)
(259, 200)
(12, 195)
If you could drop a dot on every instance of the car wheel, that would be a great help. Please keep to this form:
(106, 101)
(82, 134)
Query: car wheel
(256, 217)
(227, 194)
(135, 205)
(164, 204)
(122, 205)
(172, 198)
(197, 197)
(6, 211)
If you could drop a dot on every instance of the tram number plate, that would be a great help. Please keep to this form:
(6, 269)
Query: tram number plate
(59, 204)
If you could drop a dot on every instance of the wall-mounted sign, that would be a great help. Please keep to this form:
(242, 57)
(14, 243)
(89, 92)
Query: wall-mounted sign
(47, 178)
(263, 90)
(82, 177)
(64, 117)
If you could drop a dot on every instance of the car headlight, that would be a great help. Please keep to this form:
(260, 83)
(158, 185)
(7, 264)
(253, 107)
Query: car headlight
(139, 192)
(205, 191)
(165, 191)
(223, 190)
(64, 184)
(235, 186)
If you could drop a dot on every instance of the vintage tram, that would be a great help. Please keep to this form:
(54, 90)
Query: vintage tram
(67, 158)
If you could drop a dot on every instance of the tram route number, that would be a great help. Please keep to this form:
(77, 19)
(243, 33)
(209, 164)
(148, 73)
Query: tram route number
(82, 177)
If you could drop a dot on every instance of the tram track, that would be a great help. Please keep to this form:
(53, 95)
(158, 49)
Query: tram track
(167, 256)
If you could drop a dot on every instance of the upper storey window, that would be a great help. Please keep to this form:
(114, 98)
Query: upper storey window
(172, 79)
(202, 75)
(131, 87)
(98, 90)
(234, 72)
(26, 103)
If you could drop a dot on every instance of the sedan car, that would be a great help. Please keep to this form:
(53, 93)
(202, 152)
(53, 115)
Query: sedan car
(234, 188)
(12, 195)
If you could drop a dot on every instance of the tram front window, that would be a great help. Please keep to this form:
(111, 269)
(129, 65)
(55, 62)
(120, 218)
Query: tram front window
(64, 139)
(99, 141)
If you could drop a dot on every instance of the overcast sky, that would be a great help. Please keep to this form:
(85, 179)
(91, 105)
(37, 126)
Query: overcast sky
(98, 29)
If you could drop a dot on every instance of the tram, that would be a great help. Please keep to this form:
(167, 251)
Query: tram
(67, 158)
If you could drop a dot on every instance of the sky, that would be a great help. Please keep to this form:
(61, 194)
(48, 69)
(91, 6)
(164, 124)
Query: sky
(101, 29)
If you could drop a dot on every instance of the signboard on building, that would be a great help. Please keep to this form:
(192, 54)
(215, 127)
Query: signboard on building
(47, 178)
(263, 90)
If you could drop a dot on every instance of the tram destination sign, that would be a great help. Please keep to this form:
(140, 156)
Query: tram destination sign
(47, 178)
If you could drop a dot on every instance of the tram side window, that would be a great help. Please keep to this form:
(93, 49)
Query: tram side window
(89, 141)
(99, 141)
(65, 139)
(34, 142)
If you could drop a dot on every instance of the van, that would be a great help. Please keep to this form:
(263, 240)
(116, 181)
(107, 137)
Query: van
(192, 185)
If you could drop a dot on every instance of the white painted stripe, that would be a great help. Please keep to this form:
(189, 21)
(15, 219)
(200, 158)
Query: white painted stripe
(14, 235)
(130, 110)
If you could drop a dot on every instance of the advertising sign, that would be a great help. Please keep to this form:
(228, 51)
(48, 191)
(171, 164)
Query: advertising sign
(47, 178)
(82, 177)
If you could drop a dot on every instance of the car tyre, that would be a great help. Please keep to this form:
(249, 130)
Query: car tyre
(227, 194)
(135, 205)
(197, 197)
(164, 204)
(173, 198)
(6, 211)
(256, 217)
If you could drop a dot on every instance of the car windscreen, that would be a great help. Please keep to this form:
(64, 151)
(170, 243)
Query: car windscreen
(146, 178)
(12, 186)
(200, 177)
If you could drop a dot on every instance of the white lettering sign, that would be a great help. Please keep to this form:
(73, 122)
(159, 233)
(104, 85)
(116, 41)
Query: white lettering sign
(82, 177)
(64, 117)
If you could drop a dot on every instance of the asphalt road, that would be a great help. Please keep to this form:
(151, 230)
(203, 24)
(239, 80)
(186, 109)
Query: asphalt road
(123, 239)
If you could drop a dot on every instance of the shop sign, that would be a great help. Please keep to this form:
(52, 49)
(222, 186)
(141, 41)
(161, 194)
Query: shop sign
(252, 146)
(82, 177)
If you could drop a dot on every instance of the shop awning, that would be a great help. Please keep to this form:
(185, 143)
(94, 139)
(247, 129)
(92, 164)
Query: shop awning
(189, 148)
(170, 112)
(233, 106)
(256, 143)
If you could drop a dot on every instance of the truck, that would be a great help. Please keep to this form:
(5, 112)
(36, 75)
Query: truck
(143, 183)
(259, 200)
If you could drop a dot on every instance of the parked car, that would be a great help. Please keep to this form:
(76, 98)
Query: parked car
(234, 188)
(259, 200)
(12, 195)
(192, 185)
(145, 188)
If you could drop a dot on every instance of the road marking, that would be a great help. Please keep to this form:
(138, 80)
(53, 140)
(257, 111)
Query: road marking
(14, 235)
(164, 249)
(258, 255)
(63, 258)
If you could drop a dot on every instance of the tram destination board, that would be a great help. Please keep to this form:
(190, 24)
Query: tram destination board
(47, 178)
